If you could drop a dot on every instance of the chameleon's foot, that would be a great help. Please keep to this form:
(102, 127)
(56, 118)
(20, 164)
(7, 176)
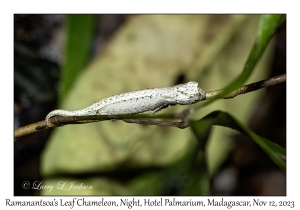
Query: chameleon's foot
(160, 108)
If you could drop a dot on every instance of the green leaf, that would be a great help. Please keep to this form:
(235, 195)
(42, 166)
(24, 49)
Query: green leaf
(80, 30)
(267, 27)
(201, 128)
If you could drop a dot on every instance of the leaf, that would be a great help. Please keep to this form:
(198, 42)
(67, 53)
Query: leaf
(80, 30)
(201, 128)
(268, 25)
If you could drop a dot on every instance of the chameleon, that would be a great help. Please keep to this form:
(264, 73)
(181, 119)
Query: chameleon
(139, 101)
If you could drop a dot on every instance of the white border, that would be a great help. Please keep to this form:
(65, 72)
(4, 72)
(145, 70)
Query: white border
(8, 8)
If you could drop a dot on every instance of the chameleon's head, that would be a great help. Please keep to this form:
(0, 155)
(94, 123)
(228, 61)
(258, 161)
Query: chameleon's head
(189, 93)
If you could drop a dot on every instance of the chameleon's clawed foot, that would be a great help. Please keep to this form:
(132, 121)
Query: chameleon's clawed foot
(159, 108)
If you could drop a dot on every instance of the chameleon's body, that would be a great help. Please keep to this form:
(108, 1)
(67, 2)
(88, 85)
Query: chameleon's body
(140, 101)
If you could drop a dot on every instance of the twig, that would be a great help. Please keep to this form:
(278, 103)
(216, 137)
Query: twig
(184, 123)
(138, 118)
(58, 121)
(250, 87)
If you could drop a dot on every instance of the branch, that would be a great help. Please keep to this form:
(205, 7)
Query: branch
(140, 118)
(184, 123)
(249, 88)
(58, 121)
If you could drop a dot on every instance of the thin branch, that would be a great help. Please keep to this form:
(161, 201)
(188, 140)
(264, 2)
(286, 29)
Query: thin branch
(249, 88)
(143, 118)
(182, 124)
(28, 129)
(58, 121)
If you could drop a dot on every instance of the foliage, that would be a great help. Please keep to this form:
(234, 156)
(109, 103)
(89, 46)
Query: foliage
(80, 30)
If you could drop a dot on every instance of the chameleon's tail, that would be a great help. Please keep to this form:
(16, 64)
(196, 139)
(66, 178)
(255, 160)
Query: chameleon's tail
(59, 112)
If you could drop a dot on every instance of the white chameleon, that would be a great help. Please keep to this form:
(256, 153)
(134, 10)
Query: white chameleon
(139, 101)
